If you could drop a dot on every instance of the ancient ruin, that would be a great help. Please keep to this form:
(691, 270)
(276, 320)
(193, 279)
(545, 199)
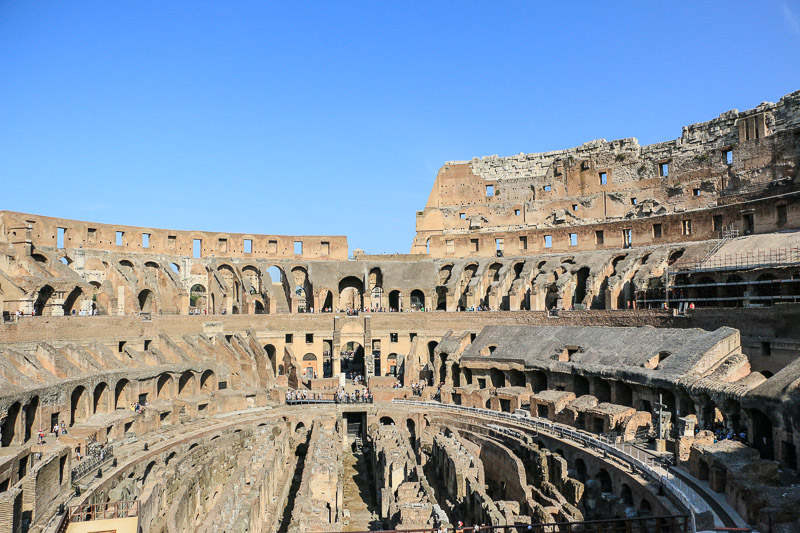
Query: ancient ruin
(609, 332)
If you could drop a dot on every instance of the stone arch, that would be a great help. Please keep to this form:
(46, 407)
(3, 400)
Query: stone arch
(538, 381)
(581, 277)
(444, 274)
(580, 385)
(10, 424)
(198, 297)
(497, 378)
(164, 386)
(762, 434)
(351, 293)
(207, 382)
(146, 301)
(387, 421)
(300, 427)
(31, 416)
(71, 300)
(395, 300)
(391, 364)
(580, 470)
(604, 478)
(271, 355)
(78, 405)
(42, 297)
(309, 368)
(417, 300)
(122, 393)
(186, 384)
(516, 378)
(101, 398)
(626, 494)
(326, 297)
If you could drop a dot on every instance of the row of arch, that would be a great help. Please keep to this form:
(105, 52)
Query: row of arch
(22, 419)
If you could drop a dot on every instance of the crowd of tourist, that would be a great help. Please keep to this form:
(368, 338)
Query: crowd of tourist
(358, 396)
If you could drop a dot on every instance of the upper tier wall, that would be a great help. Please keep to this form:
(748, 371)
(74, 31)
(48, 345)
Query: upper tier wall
(739, 154)
(41, 231)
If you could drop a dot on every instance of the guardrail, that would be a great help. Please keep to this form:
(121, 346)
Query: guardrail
(91, 462)
(629, 454)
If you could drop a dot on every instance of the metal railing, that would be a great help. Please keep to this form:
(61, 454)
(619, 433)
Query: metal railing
(91, 462)
(103, 511)
(774, 257)
(632, 455)
(645, 524)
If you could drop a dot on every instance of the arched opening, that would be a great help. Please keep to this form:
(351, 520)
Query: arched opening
(164, 386)
(516, 378)
(602, 390)
(538, 381)
(767, 288)
(10, 424)
(41, 299)
(580, 286)
(352, 358)
(391, 365)
(441, 298)
(580, 470)
(326, 297)
(497, 378)
(258, 307)
(707, 291)
(551, 298)
(442, 367)
(624, 394)
(71, 300)
(580, 385)
(299, 427)
(309, 366)
(645, 508)
(121, 393)
(395, 301)
(417, 300)
(186, 384)
(145, 299)
(207, 381)
(79, 405)
(198, 301)
(147, 470)
(431, 352)
(100, 399)
(626, 494)
(351, 290)
(386, 421)
(762, 434)
(605, 481)
(31, 416)
(735, 289)
(271, 351)
(410, 426)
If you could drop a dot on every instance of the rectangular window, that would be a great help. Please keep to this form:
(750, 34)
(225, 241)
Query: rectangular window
(392, 337)
(781, 210)
(656, 231)
(498, 244)
(766, 349)
(634, 201)
(289, 338)
(197, 248)
(548, 241)
(326, 248)
(462, 216)
(298, 247)
(145, 240)
(248, 246)
(574, 207)
(598, 237)
(603, 178)
(450, 244)
(172, 242)
(687, 227)
(573, 239)
(663, 169)
(749, 223)
(474, 244)
(627, 238)
(695, 192)
(121, 346)
(489, 190)
(60, 237)
(728, 157)
(273, 247)
(120, 235)
(91, 235)
(222, 245)
(412, 336)
(547, 188)
(523, 243)
(516, 212)
(309, 338)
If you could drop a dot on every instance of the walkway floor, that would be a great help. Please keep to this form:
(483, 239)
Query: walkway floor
(359, 494)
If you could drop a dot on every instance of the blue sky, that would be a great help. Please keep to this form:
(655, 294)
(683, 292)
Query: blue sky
(333, 117)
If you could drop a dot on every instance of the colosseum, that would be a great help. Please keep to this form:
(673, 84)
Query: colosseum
(604, 338)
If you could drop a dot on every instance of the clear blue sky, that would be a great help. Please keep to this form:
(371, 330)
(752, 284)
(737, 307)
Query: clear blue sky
(333, 117)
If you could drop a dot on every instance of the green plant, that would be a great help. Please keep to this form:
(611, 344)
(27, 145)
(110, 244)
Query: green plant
(701, 157)
(620, 158)
(642, 169)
